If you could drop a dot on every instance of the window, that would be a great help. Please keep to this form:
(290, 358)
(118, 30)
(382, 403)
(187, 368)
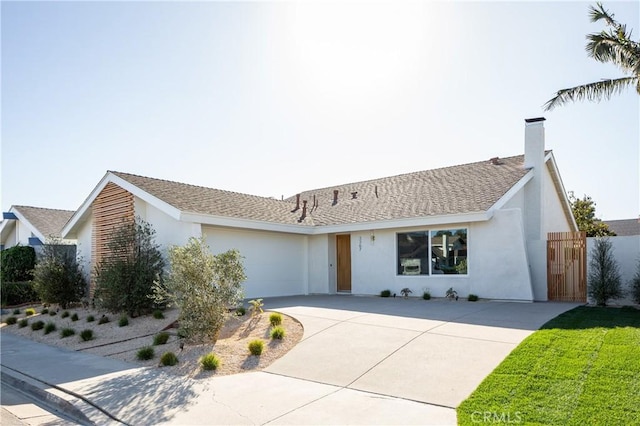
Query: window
(449, 251)
(441, 251)
(413, 253)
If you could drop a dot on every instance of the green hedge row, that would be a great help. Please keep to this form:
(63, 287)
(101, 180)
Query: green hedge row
(17, 292)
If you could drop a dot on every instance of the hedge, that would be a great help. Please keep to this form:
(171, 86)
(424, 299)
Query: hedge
(17, 292)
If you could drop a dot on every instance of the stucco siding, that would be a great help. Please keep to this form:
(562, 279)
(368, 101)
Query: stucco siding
(497, 262)
(275, 263)
(169, 231)
(554, 218)
(319, 264)
(12, 238)
(83, 251)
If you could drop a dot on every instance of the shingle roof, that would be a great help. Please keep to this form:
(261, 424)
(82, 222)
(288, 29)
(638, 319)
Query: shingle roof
(216, 202)
(452, 190)
(624, 227)
(48, 221)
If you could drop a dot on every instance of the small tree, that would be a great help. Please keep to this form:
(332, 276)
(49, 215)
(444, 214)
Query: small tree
(604, 273)
(635, 285)
(17, 263)
(584, 211)
(58, 276)
(126, 275)
(203, 286)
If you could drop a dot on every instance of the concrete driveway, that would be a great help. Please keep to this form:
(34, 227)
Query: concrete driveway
(362, 360)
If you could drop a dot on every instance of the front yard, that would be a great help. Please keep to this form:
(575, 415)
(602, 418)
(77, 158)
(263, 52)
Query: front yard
(582, 367)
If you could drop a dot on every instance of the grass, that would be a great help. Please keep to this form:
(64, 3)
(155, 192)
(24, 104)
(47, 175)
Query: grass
(50, 327)
(275, 319)
(123, 321)
(256, 347)
(278, 332)
(29, 311)
(145, 354)
(161, 338)
(86, 335)
(582, 367)
(157, 314)
(11, 320)
(66, 332)
(168, 359)
(209, 361)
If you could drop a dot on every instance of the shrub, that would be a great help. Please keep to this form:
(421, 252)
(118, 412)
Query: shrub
(75, 317)
(29, 311)
(209, 361)
(91, 318)
(278, 332)
(103, 319)
(123, 321)
(451, 294)
(50, 327)
(202, 285)
(635, 285)
(38, 325)
(241, 311)
(17, 263)
(44, 311)
(66, 332)
(23, 323)
(52, 313)
(168, 358)
(275, 319)
(426, 295)
(161, 338)
(472, 298)
(11, 320)
(65, 314)
(124, 283)
(86, 335)
(406, 292)
(256, 307)
(157, 314)
(256, 347)
(58, 276)
(16, 311)
(17, 292)
(385, 293)
(145, 353)
(604, 274)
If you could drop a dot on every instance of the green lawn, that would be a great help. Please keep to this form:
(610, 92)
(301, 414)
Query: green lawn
(581, 368)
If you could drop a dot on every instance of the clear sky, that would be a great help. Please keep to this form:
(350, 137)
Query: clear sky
(273, 98)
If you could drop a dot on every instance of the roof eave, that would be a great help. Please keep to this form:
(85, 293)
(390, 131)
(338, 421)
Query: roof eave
(235, 222)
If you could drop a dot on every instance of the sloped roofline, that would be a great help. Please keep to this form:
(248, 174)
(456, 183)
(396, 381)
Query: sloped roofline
(15, 209)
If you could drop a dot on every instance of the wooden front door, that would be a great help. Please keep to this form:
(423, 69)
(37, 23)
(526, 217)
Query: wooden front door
(343, 253)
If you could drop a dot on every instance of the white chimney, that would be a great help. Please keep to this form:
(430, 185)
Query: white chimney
(534, 159)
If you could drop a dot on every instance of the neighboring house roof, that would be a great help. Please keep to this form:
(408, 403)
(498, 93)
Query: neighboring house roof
(460, 193)
(624, 227)
(43, 223)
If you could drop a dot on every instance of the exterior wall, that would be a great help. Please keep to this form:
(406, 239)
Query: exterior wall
(83, 251)
(626, 251)
(169, 231)
(276, 264)
(497, 262)
(554, 219)
(319, 265)
(12, 239)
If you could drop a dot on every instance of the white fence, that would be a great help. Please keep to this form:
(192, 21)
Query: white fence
(626, 251)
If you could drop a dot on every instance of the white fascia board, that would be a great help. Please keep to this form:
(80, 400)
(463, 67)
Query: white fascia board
(405, 223)
(512, 191)
(146, 197)
(234, 222)
(550, 160)
(35, 231)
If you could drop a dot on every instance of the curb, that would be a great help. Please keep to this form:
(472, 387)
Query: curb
(57, 403)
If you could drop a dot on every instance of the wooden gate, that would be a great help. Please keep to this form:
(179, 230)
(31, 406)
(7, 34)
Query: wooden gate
(567, 266)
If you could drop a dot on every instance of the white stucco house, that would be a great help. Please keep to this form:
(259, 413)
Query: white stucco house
(32, 226)
(479, 228)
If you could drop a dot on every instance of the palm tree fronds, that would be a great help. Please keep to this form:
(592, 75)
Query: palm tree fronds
(596, 91)
(598, 12)
(607, 47)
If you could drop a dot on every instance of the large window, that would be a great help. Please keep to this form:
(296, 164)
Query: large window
(440, 251)
(413, 253)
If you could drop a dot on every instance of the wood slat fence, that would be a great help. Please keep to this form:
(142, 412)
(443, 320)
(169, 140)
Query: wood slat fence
(567, 266)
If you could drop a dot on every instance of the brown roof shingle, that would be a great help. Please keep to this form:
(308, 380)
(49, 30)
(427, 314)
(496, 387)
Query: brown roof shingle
(48, 221)
(624, 227)
(466, 188)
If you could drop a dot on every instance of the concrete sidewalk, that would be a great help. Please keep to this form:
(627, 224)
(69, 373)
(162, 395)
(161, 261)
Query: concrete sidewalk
(362, 360)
